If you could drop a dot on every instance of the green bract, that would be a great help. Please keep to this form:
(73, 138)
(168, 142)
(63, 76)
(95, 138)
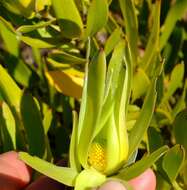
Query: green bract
(99, 147)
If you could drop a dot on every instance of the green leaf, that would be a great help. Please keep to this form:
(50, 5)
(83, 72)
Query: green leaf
(175, 81)
(32, 122)
(63, 175)
(29, 28)
(141, 165)
(131, 27)
(142, 123)
(89, 178)
(140, 84)
(153, 43)
(180, 128)
(10, 123)
(48, 116)
(74, 162)
(172, 161)
(41, 42)
(65, 58)
(68, 17)
(97, 17)
(94, 98)
(113, 40)
(9, 38)
(175, 13)
(9, 89)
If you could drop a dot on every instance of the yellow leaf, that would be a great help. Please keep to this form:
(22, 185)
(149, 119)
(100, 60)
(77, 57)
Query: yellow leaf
(68, 82)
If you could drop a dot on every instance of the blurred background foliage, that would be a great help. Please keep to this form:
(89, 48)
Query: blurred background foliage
(44, 48)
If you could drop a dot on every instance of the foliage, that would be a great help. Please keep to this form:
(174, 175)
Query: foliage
(120, 64)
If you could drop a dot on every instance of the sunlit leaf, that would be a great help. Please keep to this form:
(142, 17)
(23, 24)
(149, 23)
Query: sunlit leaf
(97, 17)
(63, 175)
(68, 17)
(141, 165)
(67, 83)
(91, 177)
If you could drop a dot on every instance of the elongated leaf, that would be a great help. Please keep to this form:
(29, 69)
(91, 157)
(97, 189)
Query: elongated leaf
(94, 99)
(175, 13)
(153, 43)
(63, 57)
(141, 165)
(74, 162)
(48, 116)
(142, 123)
(97, 17)
(9, 38)
(66, 83)
(131, 26)
(40, 42)
(173, 161)
(9, 89)
(33, 125)
(92, 179)
(180, 128)
(28, 28)
(112, 41)
(140, 84)
(10, 123)
(68, 17)
(175, 81)
(63, 175)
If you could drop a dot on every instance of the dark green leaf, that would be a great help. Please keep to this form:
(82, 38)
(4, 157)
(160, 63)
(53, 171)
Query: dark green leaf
(32, 122)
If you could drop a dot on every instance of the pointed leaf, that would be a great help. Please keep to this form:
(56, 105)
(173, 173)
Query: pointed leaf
(9, 89)
(131, 26)
(63, 175)
(142, 123)
(180, 128)
(29, 28)
(32, 122)
(153, 43)
(172, 161)
(10, 123)
(74, 162)
(94, 99)
(66, 83)
(175, 13)
(68, 17)
(141, 165)
(113, 40)
(97, 17)
(175, 81)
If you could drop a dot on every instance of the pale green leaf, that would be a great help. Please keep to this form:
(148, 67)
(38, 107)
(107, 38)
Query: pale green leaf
(94, 99)
(142, 123)
(9, 89)
(112, 41)
(175, 13)
(97, 17)
(68, 17)
(63, 175)
(10, 123)
(140, 166)
(89, 178)
(74, 162)
(131, 26)
(29, 28)
(153, 43)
